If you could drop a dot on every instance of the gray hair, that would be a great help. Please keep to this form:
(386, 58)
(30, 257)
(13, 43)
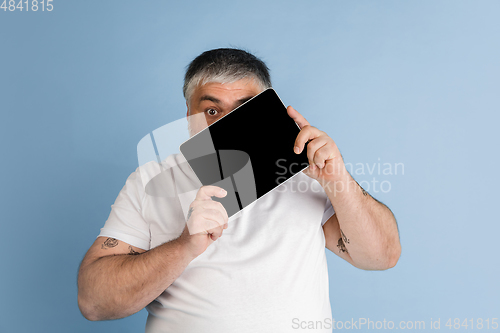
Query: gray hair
(225, 65)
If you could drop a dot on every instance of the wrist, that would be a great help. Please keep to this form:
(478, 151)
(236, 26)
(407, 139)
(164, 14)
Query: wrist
(183, 249)
(334, 175)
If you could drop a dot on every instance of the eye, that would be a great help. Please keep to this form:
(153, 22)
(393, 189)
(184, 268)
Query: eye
(212, 112)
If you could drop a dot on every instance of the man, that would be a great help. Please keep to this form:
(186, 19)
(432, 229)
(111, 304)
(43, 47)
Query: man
(255, 273)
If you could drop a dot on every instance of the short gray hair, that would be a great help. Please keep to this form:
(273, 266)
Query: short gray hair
(225, 65)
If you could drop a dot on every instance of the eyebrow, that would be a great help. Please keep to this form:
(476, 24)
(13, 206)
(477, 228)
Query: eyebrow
(209, 98)
(217, 101)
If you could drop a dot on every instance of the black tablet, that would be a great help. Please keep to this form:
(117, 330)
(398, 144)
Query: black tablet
(248, 152)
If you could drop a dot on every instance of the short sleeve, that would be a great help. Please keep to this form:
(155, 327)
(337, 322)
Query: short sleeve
(126, 221)
(328, 212)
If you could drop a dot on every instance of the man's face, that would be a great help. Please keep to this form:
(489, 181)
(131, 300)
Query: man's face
(214, 100)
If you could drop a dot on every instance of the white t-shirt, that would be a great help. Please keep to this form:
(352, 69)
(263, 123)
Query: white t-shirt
(266, 273)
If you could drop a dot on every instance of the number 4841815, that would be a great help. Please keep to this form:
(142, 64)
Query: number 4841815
(480, 323)
(27, 5)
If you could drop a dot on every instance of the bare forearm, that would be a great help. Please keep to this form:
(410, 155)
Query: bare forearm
(368, 228)
(117, 286)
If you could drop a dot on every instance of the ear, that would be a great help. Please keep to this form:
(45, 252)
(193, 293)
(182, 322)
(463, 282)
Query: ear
(187, 112)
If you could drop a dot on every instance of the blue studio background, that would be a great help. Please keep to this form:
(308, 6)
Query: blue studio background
(411, 85)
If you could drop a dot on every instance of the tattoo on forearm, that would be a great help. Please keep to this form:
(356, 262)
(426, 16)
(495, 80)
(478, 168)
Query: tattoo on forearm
(108, 243)
(362, 189)
(132, 252)
(341, 246)
(190, 212)
(346, 240)
(342, 242)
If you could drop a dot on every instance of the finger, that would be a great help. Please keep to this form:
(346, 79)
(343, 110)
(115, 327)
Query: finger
(209, 191)
(202, 205)
(322, 155)
(203, 224)
(312, 148)
(297, 117)
(214, 215)
(307, 133)
(215, 233)
(218, 206)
